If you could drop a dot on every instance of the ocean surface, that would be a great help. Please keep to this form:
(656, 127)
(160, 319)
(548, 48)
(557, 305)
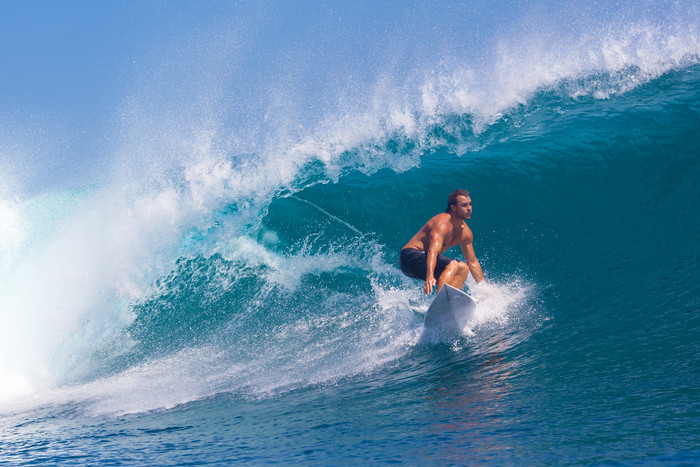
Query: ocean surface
(238, 299)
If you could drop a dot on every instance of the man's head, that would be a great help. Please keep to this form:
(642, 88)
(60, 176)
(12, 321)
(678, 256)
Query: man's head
(459, 203)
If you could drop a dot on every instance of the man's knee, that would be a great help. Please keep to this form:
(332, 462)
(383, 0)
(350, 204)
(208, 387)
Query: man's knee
(457, 267)
(460, 267)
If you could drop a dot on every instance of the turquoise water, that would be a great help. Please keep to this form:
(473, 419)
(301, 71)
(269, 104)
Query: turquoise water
(248, 307)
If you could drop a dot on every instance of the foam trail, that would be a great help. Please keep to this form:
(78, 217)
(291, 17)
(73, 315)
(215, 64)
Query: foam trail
(336, 218)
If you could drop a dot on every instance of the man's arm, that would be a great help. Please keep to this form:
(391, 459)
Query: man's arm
(437, 238)
(470, 259)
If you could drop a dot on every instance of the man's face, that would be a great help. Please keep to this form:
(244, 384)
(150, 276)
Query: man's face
(463, 207)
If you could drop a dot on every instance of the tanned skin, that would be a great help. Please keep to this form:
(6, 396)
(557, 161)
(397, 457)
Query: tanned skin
(441, 233)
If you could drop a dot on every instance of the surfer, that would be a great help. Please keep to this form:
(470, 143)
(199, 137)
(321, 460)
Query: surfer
(422, 257)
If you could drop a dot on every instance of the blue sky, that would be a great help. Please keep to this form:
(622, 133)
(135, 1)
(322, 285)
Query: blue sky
(76, 55)
(57, 53)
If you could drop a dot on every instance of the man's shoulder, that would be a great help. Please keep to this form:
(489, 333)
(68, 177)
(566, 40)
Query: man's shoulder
(442, 217)
(467, 234)
(440, 220)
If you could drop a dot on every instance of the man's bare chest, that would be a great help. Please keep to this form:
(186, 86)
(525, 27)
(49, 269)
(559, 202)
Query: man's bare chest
(455, 237)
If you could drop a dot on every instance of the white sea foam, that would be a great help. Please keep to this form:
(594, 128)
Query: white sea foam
(12, 233)
(343, 337)
(497, 303)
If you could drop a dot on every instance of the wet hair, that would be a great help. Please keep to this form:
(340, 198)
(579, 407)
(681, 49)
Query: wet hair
(453, 198)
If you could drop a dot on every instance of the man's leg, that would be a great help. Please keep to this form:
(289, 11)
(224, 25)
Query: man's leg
(455, 274)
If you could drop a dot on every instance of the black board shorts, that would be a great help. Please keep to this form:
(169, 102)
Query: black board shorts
(414, 263)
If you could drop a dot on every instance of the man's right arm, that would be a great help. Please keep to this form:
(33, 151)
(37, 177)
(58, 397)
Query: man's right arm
(437, 238)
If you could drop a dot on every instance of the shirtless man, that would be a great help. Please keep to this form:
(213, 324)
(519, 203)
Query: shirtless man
(422, 257)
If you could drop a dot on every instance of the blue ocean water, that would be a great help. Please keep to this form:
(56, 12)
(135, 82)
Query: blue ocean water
(224, 305)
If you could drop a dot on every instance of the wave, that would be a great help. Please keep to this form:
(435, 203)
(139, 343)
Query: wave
(269, 265)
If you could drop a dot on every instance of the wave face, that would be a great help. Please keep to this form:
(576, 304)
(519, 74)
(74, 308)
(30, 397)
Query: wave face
(255, 260)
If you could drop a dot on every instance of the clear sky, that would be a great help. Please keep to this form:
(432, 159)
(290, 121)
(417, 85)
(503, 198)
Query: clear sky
(78, 74)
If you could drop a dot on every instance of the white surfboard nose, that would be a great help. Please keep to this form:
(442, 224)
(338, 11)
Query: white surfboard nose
(450, 311)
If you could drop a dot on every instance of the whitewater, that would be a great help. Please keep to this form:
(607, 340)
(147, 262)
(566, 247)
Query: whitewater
(221, 283)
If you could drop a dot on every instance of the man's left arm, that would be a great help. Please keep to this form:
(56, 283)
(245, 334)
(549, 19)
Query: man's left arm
(470, 258)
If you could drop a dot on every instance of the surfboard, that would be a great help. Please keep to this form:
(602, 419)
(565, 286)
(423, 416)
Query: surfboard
(450, 311)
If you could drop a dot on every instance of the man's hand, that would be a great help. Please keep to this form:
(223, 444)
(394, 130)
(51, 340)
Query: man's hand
(429, 284)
